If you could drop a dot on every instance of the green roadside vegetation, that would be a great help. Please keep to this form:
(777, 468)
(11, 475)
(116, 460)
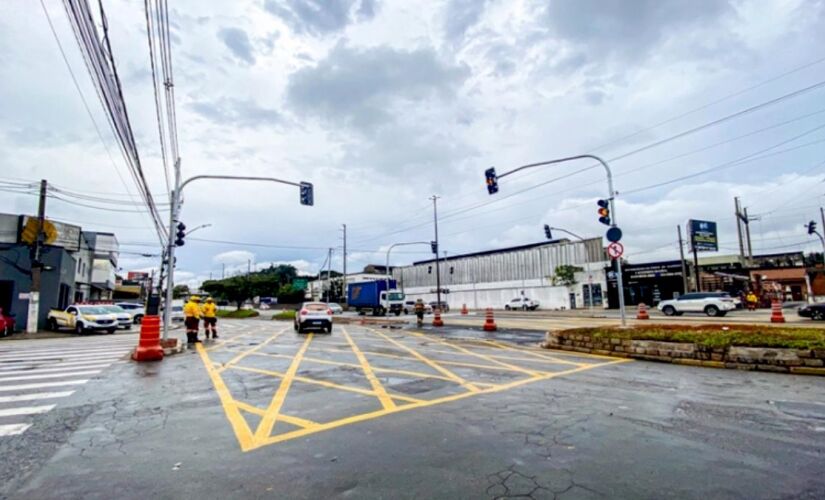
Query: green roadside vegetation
(285, 315)
(717, 336)
(240, 313)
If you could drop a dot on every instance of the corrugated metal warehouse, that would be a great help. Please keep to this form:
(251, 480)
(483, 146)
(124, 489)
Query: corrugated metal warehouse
(495, 277)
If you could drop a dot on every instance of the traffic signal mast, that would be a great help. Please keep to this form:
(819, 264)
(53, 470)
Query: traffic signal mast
(604, 211)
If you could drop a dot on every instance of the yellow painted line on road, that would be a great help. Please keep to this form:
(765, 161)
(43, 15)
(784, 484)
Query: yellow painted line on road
(479, 355)
(455, 378)
(385, 399)
(268, 421)
(246, 353)
(242, 431)
(324, 383)
(300, 422)
(380, 413)
(535, 354)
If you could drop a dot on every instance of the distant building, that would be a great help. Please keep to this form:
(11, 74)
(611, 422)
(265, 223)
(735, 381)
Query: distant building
(78, 265)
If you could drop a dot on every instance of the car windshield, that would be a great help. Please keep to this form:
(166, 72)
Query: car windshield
(177, 308)
(114, 309)
(396, 296)
(315, 307)
(93, 310)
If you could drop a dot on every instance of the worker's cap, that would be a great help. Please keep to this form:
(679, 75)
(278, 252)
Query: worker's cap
(209, 299)
(195, 298)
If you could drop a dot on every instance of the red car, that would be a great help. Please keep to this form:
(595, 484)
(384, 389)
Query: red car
(6, 324)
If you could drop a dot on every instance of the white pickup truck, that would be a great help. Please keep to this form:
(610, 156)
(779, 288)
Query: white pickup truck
(82, 318)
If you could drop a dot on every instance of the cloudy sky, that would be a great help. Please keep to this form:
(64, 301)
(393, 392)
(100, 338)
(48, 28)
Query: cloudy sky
(382, 104)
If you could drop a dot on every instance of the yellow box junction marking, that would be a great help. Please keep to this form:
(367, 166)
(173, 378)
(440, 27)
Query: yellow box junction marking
(262, 435)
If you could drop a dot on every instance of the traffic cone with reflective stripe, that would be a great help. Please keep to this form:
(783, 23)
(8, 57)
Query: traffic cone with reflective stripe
(464, 310)
(642, 312)
(149, 348)
(776, 312)
(489, 322)
(437, 317)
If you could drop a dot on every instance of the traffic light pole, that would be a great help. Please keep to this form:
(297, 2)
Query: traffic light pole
(388, 264)
(174, 211)
(611, 196)
(586, 263)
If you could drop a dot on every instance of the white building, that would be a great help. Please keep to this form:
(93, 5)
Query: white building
(493, 278)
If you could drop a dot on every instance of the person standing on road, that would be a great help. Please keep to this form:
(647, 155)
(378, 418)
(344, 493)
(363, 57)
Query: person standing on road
(192, 314)
(210, 318)
(751, 300)
(419, 312)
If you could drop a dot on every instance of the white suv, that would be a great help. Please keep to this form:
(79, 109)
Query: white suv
(710, 303)
(522, 303)
(313, 315)
(136, 310)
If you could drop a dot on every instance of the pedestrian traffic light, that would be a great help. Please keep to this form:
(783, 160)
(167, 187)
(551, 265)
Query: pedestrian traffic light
(180, 234)
(547, 232)
(434, 247)
(307, 196)
(604, 212)
(492, 180)
(811, 227)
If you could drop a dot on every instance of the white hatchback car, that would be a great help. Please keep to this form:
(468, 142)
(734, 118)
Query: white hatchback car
(710, 303)
(313, 315)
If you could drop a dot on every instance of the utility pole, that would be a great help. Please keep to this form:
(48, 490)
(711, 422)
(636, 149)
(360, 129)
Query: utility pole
(739, 217)
(748, 236)
(437, 263)
(695, 264)
(682, 258)
(36, 265)
(223, 270)
(344, 281)
(329, 273)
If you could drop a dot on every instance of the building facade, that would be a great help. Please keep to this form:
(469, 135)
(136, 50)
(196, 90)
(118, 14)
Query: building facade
(495, 277)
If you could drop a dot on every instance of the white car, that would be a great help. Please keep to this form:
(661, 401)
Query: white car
(409, 307)
(136, 310)
(336, 308)
(522, 303)
(313, 315)
(710, 303)
(124, 318)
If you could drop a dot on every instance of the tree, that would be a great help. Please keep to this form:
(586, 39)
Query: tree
(179, 291)
(565, 275)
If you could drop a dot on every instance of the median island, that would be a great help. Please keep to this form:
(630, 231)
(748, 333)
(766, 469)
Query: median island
(744, 347)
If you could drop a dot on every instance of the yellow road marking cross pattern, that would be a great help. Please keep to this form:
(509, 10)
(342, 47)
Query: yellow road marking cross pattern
(297, 385)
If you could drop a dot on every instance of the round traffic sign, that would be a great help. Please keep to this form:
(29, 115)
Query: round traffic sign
(614, 234)
(615, 250)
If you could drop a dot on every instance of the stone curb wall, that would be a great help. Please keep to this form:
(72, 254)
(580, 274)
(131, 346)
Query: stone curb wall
(797, 361)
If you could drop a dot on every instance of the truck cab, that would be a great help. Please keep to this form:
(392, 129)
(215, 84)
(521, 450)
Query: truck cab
(392, 301)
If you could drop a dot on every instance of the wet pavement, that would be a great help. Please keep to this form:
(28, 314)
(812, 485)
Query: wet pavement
(386, 413)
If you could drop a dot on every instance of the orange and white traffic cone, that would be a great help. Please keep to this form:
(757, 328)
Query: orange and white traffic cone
(149, 348)
(489, 321)
(642, 312)
(776, 312)
(437, 317)
(464, 310)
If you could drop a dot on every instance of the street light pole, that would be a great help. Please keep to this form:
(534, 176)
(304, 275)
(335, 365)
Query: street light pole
(611, 199)
(586, 264)
(387, 278)
(437, 263)
(174, 211)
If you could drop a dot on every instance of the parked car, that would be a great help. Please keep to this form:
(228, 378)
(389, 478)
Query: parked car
(124, 318)
(521, 303)
(710, 303)
(82, 318)
(813, 311)
(6, 324)
(409, 307)
(313, 315)
(336, 308)
(445, 307)
(136, 310)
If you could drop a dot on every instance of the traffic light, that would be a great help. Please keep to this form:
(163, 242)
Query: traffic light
(492, 180)
(180, 234)
(434, 247)
(547, 232)
(604, 212)
(811, 227)
(307, 196)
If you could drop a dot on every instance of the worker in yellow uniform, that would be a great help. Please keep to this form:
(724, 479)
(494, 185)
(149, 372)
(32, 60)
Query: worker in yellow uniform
(192, 315)
(210, 318)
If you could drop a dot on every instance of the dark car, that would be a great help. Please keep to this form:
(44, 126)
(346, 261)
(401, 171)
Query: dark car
(813, 311)
(444, 306)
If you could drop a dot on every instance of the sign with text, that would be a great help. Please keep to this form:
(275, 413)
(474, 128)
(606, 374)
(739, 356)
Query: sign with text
(703, 235)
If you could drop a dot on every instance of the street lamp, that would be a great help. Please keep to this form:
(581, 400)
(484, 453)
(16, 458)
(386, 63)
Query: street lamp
(388, 261)
(196, 228)
(306, 198)
(586, 263)
(492, 188)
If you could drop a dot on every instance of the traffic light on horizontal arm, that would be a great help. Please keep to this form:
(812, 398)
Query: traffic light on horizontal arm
(604, 212)
(307, 194)
(492, 180)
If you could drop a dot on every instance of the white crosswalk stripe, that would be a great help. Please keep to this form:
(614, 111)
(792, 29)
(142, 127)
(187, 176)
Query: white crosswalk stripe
(36, 375)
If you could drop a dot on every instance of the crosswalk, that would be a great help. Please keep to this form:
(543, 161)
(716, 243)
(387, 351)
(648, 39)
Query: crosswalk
(37, 375)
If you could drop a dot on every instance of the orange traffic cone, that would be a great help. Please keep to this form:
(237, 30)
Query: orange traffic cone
(437, 317)
(642, 313)
(776, 312)
(464, 310)
(149, 348)
(489, 322)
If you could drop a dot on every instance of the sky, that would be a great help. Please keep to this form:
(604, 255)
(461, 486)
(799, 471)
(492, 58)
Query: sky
(383, 104)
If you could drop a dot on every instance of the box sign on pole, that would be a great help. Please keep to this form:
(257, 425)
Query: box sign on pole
(703, 236)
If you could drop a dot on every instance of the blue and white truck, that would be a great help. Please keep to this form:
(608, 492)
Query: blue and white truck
(373, 297)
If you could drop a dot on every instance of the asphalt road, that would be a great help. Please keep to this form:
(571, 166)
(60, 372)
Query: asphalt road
(378, 413)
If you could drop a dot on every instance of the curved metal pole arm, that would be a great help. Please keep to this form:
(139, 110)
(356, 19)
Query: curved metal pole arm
(236, 178)
(568, 232)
